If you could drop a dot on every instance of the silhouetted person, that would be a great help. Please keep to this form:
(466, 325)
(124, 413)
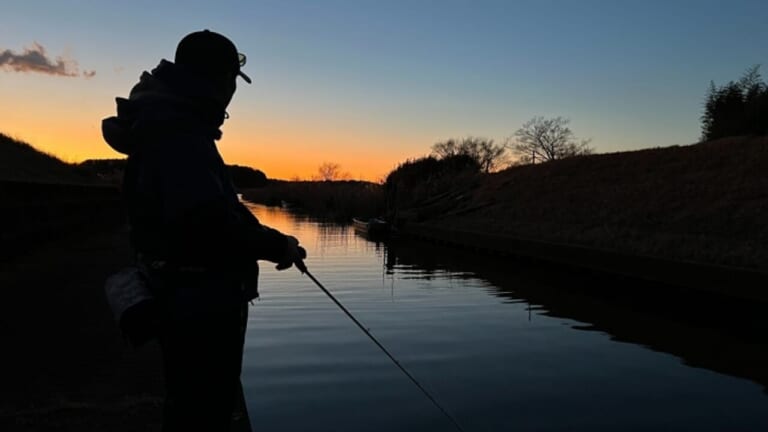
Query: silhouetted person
(197, 242)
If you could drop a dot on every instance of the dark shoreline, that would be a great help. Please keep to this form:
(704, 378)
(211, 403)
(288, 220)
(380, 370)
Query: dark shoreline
(741, 283)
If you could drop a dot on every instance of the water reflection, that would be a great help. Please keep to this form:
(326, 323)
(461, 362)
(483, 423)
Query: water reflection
(708, 331)
(504, 345)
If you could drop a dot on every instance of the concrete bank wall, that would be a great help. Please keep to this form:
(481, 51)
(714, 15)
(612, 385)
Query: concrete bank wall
(734, 282)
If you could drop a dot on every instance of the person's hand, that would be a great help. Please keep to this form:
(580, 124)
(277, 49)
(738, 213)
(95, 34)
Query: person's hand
(292, 254)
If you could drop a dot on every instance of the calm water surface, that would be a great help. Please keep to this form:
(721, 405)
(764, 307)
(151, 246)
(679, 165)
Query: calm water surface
(499, 347)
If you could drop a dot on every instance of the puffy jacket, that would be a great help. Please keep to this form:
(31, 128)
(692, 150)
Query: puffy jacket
(182, 206)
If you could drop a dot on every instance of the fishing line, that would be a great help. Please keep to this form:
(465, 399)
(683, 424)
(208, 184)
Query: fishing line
(304, 270)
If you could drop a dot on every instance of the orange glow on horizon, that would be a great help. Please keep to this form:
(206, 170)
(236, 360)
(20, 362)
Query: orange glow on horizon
(279, 158)
(274, 155)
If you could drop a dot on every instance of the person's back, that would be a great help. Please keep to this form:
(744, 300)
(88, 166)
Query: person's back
(197, 242)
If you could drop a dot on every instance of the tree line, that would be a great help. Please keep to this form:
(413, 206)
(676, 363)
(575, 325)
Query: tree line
(539, 139)
(736, 108)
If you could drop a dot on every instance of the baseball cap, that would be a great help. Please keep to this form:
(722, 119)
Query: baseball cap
(210, 53)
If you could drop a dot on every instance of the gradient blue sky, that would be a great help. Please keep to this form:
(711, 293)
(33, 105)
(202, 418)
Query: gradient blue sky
(371, 83)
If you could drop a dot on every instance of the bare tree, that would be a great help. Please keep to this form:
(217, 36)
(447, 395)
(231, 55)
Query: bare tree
(445, 149)
(541, 140)
(328, 171)
(492, 156)
(488, 155)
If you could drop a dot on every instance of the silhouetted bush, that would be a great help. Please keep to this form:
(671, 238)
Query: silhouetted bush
(489, 156)
(737, 108)
(416, 181)
(109, 170)
(247, 177)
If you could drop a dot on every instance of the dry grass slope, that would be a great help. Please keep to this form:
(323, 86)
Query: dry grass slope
(20, 161)
(706, 202)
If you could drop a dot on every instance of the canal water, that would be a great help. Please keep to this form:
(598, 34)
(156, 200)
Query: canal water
(502, 345)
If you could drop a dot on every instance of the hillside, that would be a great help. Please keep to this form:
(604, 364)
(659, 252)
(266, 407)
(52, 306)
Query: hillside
(20, 161)
(706, 203)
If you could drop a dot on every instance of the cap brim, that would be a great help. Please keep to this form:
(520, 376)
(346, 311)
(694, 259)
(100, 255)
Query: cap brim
(244, 76)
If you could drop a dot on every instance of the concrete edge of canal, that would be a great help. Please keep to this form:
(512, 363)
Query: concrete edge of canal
(735, 282)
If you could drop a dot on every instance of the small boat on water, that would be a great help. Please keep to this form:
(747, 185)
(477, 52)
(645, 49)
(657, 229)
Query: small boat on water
(372, 228)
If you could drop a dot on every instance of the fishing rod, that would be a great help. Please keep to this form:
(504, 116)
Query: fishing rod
(303, 268)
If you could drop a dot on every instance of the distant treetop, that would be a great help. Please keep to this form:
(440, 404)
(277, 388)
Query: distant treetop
(489, 156)
(546, 139)
(737, 108)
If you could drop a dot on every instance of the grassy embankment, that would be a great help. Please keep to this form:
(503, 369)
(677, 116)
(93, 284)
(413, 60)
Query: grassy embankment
(705, 203)
(21, 162)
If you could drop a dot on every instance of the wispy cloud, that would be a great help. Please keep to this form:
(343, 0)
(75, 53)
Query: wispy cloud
(36, 59)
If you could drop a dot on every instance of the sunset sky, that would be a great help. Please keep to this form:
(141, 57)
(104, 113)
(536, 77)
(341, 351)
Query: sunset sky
(368, 84)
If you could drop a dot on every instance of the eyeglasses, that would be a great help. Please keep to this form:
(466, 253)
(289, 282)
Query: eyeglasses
(241, 61)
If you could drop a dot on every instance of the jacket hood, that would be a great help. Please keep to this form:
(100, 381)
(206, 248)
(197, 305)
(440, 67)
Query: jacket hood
(168, 100)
